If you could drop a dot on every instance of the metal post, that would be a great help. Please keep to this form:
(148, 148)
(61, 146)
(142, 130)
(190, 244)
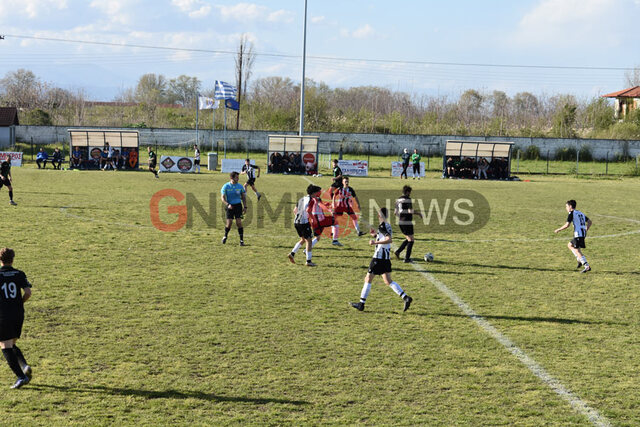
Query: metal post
(304, 57)
(606, 169)
(518, 164)
(429, 155)
(547, 162)
(31, 148)
(369, 155)
(577, 160)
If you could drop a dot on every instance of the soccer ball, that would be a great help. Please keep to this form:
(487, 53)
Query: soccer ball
(428, 257)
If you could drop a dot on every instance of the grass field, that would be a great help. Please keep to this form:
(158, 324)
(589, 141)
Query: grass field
(129, 325)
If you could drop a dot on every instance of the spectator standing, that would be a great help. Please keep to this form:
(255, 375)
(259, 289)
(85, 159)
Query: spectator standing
(406, 158)
(415, 161)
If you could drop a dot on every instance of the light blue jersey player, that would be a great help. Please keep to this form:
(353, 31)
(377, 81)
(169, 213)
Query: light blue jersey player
(233, 197)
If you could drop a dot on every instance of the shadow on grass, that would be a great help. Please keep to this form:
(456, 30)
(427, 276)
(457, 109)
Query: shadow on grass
(505, 267)
(165, 394)
(530, 319)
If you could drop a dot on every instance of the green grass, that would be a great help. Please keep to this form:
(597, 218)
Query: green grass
(132, 326)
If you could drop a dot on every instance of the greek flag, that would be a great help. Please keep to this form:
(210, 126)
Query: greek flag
(224, 90)
(206, 103)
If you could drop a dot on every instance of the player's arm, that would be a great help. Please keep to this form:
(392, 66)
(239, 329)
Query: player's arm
(564, 227)
(26, 295)
(312, 218)
(257, 167)
(589, 224)
(223, 197)
(384, 241)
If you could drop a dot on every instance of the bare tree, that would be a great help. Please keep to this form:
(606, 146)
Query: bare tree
(244, 63)
(632, 77)
(183, 89)
(21, 89)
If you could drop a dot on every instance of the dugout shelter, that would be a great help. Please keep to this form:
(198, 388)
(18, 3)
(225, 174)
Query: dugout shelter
(293, 154)
(466, 159)
(92, 144)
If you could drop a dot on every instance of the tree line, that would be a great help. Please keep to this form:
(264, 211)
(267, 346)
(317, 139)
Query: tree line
(272, 103)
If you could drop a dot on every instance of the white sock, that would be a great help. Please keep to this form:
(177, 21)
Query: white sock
(314, 241)
(397, 289)
(365, 292)
(355, 224)
(296, 247)
(583, 260)
(334, 232)
(308, 256)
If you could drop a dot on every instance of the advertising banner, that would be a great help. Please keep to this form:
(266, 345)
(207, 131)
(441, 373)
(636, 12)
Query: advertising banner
(16, 158)
(354, 167)
(396, 169)
(233, 165)
(176, 164)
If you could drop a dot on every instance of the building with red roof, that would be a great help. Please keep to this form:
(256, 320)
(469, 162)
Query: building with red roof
(626, 101)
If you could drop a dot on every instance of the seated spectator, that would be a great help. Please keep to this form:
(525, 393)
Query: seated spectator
(297, 163)
(483, 166)
(42, 157)
(449, 171)
(76, 158)
(124, 158)
(56, 160)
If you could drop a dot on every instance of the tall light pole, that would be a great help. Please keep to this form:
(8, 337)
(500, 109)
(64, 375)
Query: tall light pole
(304, 58)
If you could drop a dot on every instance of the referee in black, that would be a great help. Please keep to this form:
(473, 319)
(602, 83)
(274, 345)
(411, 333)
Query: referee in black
(15, 289)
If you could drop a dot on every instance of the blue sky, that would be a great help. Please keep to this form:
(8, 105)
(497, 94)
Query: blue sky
(427, 47)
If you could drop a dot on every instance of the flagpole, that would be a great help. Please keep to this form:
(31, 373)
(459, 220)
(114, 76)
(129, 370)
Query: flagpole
(197, 109)
(213, 126)
(225, 129)
(304, 55)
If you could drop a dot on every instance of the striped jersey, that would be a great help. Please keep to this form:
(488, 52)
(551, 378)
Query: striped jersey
(250, 170)
(383, 251)
(344, 198)
(403, 209)
(301, 210)
(579, 221)
(197, 154)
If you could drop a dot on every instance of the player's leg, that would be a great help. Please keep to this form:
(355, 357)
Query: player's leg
(573, 245)
(13, 362)
(404, 244)
(366, 289)
(10, 189)
(240, 230)
(397, 289)
(354, 220)
(258, 195)
(26, 369)
(227, 227)
(410, 241)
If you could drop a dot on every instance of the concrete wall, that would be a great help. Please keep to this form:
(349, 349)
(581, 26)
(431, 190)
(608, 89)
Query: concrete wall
(350, 142)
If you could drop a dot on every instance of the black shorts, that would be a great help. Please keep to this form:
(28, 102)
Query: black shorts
(11, 326)
(196, 162)
(4, 181)
(304, 230)
(251, 181)
(152, 165)
(578, 242)
(348, 211)
(407, 229)
(379, 266)
(235, 211)
(337, 184)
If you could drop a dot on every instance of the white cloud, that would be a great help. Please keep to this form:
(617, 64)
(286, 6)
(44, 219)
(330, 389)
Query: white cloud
(249, 12)
(572, 23)
(364, 32)
(117, 11)
(320, 19)
(193, 8)
(31, 8)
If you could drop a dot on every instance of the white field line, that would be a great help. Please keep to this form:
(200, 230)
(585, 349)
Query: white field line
(576, 403)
